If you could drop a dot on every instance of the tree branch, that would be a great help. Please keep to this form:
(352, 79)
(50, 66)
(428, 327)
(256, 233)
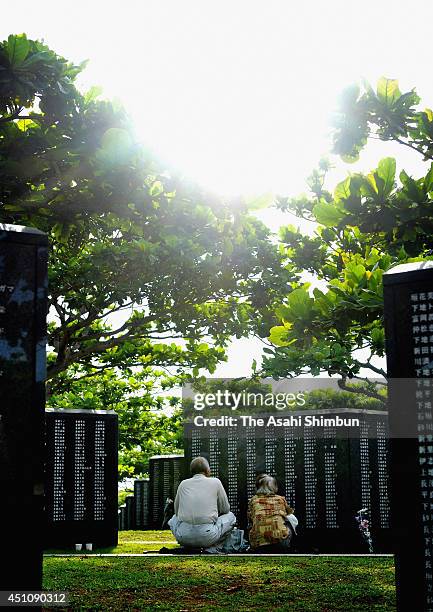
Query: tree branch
(373, 368)
(414, 148)
(366, 392)
(12, 117)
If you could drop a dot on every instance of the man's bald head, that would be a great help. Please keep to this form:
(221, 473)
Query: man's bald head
(200, 465)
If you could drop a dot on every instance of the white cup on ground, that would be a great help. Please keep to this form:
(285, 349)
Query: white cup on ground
(78, 547)
(89, 546)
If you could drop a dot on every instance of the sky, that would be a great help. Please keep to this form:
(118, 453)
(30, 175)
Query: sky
(239, 95)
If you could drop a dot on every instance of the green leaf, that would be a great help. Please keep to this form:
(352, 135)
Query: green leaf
(378, 337)
(93, 93)
(17, 49)
(428, 180)
(386, 171)
(411, 187)
(36, 58)
(355, 272)
(388, 91)
(261, 201)
(328, 214)
(368, 186)
(25, 124)
(342, 190)
(278, 336)
(371, 182)
(156, 189)
(300, 303)
(283, 312)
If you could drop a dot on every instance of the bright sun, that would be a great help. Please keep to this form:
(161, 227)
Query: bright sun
(235, 95)
(230, 98)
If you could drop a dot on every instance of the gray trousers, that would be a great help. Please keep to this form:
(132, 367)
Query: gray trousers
(202, 536)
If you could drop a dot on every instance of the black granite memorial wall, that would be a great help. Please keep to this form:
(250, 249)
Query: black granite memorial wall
(134, 514)
(141, 499)
(81, 478)
(23, 306)
(130, 511)
(165, 473)
(325, 477)
(408, 311)
(122, 518)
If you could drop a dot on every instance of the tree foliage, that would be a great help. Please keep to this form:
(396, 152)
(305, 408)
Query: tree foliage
(369, 223)
(139, 258)
(149, 275)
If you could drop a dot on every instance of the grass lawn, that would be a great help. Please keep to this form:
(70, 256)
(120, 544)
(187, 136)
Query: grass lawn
(314, 584)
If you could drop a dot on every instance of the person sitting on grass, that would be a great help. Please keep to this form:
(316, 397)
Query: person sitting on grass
(202, 516)
(272, 522)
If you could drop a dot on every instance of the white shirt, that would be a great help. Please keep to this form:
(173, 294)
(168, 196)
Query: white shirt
(200, 499)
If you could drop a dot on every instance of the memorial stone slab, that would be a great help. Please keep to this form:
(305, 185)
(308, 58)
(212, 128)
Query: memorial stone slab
(23, 307)
(326, 477)
(130, 512)
(408, 313)
(122, 518)
(141, 499)
(166, 472)
(81, 478)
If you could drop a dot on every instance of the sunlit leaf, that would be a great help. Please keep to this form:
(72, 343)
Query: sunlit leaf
(328, 214)
(261, 201)
(342, 191)
(278, 336)
(388, 91)
(386, 171)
